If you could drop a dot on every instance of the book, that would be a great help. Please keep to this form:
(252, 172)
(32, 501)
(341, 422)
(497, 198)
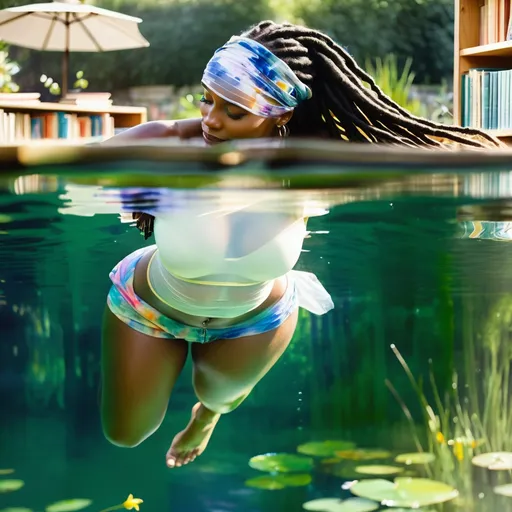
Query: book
(495, 21)
(19, 97)
(486, 99)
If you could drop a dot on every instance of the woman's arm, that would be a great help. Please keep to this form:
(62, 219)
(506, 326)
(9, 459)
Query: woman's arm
(183, 128)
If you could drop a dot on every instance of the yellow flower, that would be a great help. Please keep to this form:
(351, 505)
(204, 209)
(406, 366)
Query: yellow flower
(440, 437)
(132, 502)
(458, 450)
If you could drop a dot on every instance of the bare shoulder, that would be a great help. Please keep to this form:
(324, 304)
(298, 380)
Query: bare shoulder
(182, 128)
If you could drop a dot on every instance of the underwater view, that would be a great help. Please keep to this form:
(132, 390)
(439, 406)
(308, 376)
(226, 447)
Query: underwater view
(397, 399)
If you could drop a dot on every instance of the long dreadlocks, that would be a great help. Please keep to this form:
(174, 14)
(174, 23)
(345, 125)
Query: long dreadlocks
(342, 107)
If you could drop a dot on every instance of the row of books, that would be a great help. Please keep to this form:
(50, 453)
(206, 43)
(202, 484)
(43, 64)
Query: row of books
(18, 127)
(81, 99)
(486, 99)
(495, 21)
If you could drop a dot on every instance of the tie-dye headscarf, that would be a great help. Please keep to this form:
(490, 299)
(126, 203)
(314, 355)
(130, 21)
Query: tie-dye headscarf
(246, 74)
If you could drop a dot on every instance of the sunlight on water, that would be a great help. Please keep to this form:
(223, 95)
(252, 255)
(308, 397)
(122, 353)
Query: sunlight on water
(398, 399)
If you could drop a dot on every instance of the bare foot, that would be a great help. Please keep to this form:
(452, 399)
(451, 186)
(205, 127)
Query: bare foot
(192, 441)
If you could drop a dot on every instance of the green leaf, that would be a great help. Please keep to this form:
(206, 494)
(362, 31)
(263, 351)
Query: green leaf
(337, 505)
(68, 505)
(379, 470)
(504, 490)
(16, 509)
(363, 454)
(495, 461)
(273, 482)
(412, 510)
(405, 492)
(9, 471)
(324, 448)
(281, 463)
(11, 485)
(415, 458)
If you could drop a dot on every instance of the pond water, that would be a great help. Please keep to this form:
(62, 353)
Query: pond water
(407, 377)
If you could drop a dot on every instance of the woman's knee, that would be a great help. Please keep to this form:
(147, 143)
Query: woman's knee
(222, 396)
(125, 434)
(218, 406)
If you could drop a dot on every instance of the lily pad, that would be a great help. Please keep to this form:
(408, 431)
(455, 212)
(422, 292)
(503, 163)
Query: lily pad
(281, 463)
(362, 454)
(405, 492)
(8, 471)
(504, 490)
(324, 448)
(415, 510)
(273, 482)
(11, 485)
(344, 471)
(495, 461)
(379, 470)
(68, 505)
(337, 505)
(16, 509)
(415, 458)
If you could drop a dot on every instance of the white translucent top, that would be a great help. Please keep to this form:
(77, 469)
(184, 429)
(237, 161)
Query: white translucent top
(223, 263)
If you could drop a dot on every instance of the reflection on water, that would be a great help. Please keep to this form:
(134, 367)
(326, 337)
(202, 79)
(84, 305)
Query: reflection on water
(399, 397)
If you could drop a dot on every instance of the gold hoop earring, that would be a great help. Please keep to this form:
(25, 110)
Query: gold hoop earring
(283, 130)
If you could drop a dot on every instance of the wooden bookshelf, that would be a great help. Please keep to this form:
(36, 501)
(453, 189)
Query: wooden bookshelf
(20, 118)
(470, 53)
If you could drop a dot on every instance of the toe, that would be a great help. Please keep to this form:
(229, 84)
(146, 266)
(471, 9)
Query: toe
(183, 458)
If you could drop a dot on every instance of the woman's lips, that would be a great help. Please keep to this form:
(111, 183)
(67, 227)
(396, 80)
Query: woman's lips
(211, 139)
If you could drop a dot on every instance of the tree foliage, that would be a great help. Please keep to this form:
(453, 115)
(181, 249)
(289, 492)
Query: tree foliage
(417, 29)
(184, 34)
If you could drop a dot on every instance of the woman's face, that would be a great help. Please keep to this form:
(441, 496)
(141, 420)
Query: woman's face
(224, 121)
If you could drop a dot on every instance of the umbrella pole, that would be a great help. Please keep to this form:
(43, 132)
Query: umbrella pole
(65, 71)
(65, 61)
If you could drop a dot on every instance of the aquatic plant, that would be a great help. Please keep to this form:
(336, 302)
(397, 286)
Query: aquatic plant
(363, 454)
(129, 504)
(10, 485)
(285, 470)
(325, 448)
(409, 490)
(337, 505)
(71, 505)
(469, 425)
(281, 463)
(378, 469)
(495, 357)
(279, 481)
(405, 492)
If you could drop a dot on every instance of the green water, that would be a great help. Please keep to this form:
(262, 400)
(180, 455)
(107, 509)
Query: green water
(408, 266)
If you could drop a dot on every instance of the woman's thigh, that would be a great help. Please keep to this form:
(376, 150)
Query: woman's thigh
(138, 374)
(225, 371)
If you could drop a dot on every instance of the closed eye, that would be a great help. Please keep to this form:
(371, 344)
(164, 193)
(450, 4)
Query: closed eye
(235, 117)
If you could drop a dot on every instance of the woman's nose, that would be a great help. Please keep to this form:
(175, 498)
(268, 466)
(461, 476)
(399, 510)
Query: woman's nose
(212, 119)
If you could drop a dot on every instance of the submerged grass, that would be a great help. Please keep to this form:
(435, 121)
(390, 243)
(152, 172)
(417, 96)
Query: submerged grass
(474, 415)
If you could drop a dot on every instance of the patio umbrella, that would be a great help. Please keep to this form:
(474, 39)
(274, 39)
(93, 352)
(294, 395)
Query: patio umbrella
(69, 26)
